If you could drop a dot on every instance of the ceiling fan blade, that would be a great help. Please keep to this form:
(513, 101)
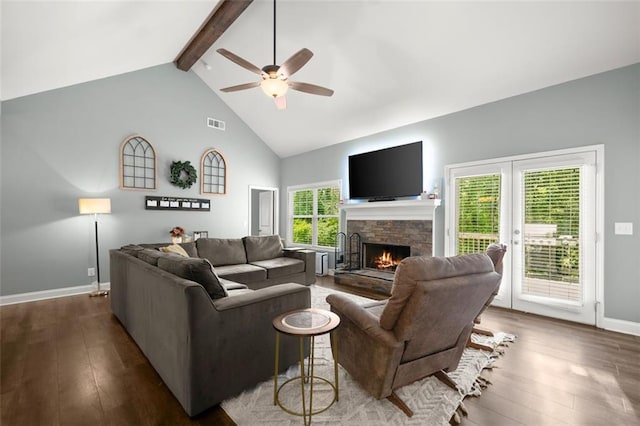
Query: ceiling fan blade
(281, 102)
(238, 60)
(241, 87)
(310, 88)
(295, 62)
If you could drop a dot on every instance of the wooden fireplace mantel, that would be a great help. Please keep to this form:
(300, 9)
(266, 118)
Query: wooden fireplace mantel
(391, 210)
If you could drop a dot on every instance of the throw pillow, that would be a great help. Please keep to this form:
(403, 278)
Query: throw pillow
(197, 270)
(174, 248)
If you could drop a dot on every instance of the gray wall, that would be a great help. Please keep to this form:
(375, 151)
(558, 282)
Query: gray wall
(63, 144)
(601, 109)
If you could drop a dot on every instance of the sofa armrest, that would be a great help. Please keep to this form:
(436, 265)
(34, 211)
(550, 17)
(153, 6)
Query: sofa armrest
(309, 258)
(245, 300)
(232, 340)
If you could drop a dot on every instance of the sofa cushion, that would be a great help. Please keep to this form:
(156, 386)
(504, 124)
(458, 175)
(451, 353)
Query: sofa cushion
(132, 249)
(280, 266)
(189, 247)
(151, 256)
(262, 248)
(197, 270)
(174, 248)
(243, 273)
(221, 251)
(231, 285)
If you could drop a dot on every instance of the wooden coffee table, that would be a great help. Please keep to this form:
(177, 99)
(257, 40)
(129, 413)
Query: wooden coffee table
(309, 323)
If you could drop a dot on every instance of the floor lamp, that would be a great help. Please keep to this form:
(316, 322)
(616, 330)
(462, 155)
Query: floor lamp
(96, 206)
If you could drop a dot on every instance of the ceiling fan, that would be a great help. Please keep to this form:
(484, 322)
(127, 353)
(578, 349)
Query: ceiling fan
(275, 78)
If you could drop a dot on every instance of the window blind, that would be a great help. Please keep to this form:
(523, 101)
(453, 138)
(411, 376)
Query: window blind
(478, 212)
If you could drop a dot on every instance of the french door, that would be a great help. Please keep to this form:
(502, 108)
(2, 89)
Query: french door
(544, 208)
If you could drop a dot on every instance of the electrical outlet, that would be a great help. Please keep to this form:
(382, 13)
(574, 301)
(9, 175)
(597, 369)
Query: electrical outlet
(91, 272)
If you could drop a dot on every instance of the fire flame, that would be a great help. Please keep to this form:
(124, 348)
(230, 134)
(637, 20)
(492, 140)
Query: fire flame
(386, 261)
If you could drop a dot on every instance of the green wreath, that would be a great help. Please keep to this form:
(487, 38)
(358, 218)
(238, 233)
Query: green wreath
(186, 179)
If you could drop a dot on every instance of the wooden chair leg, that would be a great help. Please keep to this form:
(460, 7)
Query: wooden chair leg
(483, 331)
(395, 400)
(479, 346)
(444, 378)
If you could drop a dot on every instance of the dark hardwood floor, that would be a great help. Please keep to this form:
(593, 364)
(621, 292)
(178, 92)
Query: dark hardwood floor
(68, 361)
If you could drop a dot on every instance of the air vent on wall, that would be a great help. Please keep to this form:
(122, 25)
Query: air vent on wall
(216, 124)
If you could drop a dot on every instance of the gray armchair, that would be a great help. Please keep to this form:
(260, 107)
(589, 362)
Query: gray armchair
(421, 330)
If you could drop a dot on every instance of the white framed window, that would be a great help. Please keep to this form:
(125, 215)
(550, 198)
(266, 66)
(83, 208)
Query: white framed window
(313, 214)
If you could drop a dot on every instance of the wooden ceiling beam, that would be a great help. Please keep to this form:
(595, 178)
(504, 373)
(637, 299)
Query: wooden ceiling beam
(220, 19)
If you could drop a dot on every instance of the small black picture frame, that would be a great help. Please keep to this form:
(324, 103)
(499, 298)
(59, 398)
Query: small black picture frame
(200, 234)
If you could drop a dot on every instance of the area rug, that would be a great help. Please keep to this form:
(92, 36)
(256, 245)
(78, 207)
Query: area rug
(432, 402)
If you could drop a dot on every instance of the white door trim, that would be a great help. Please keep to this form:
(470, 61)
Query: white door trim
(276, 207)
(599, 206)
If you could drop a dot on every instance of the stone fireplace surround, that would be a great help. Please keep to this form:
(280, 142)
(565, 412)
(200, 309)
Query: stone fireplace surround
(405, 222)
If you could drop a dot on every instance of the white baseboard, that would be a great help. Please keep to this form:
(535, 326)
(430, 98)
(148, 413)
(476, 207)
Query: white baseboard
(51, 294)
(611, 324)
(621, 326)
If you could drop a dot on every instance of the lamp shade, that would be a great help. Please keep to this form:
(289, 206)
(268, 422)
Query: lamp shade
(94, 205)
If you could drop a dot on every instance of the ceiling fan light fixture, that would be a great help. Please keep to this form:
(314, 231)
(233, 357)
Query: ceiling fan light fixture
(274, 87)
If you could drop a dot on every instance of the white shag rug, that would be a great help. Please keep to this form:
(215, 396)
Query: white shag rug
(432, 402)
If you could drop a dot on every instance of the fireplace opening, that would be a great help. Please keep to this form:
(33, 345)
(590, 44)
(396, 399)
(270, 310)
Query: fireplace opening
(383, 257)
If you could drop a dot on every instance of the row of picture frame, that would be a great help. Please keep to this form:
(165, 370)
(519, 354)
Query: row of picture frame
(176, 203)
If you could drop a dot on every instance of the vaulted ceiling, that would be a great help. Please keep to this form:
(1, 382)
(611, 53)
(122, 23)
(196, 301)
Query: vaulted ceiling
(390, 62)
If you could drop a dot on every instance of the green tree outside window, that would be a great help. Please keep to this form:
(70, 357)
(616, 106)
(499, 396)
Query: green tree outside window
(316, 217)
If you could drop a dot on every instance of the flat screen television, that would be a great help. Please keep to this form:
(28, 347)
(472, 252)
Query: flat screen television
(386, 174)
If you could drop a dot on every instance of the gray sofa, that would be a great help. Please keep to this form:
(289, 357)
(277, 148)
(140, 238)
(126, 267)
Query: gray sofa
(257, 262)
(208, 340)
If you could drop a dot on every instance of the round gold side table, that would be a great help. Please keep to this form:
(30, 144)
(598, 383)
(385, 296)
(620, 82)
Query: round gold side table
(309, 323)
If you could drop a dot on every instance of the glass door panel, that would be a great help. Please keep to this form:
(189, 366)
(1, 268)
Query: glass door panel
(554, 237)
(544, 209)
(478, 215)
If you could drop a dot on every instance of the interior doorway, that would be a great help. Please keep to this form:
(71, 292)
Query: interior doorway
(263, 211)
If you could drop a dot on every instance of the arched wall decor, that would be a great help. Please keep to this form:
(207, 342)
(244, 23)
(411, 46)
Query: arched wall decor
(138, 164)
(213, 173)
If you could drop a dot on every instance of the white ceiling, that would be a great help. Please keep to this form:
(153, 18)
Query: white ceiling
(390, 62)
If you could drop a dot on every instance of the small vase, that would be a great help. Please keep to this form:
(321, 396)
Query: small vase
(176, 240)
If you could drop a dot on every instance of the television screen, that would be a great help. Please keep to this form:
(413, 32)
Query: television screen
(387, 173)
